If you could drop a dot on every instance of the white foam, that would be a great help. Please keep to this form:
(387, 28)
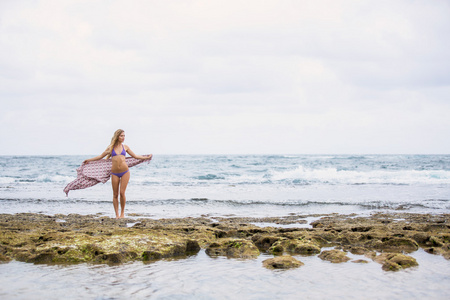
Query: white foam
(54, 178)
(6, 180)
(332, 175)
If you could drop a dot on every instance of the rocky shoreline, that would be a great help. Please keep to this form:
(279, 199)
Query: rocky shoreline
(384, 238)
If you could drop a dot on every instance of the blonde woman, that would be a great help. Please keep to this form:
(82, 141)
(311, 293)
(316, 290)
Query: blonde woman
(120, 174)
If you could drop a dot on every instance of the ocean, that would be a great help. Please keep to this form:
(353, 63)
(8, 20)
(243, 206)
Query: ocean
(176, 186)
(240, 185)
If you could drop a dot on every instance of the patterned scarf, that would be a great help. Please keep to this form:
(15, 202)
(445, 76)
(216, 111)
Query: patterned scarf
(95, 172)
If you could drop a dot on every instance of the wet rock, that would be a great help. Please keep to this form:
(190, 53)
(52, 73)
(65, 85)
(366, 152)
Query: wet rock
(317, 224)
(233, 248)
(356, 250)
(444, 251)
(395, 261)
(360, 261)
(446, 254)
(277, 249)
(95, 238)
(4, 258)
(324, 239)
(176, 250)
(116, 258)
(264, 242)
(371, 254)
(42, 258)
(282, 262)
(4, 253)
(334, 256)
(420, 237)
(393, 244)
(436, 241)
(192, 247)
(294, 247)
(432, 250)
(361, 228)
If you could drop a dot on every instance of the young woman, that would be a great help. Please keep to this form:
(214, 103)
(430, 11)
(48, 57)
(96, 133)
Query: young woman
(120, 174)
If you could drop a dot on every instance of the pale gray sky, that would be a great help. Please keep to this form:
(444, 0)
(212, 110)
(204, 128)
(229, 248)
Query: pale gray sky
(229, 77)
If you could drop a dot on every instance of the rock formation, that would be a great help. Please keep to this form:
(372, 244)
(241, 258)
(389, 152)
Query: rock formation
(384, 238)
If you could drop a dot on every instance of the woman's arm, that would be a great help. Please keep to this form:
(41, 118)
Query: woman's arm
(97, 157)
(137, 156)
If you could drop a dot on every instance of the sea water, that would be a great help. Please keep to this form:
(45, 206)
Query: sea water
(240, 185)
(232, 185)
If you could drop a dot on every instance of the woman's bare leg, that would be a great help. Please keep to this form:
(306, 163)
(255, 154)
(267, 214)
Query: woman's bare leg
(123, 186)
(115, 186)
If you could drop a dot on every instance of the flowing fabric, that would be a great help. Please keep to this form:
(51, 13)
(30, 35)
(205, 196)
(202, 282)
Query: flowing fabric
(97, 171)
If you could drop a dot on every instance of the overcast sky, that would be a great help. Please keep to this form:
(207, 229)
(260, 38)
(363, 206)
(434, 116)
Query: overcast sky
(225, 77)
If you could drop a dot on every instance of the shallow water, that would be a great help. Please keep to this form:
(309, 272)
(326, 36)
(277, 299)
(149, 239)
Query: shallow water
(203, 277)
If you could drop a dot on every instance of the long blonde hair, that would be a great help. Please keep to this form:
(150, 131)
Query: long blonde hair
(114, 142)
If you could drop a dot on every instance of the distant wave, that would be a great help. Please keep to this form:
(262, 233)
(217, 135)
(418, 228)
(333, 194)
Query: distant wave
(293, 176)
(335, 176)
(40, 178)
(209, 177)
(428, 203)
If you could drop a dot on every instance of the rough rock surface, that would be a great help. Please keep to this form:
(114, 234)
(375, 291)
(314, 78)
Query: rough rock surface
(334, 256)
(294, 246)
(72, 238)
(282, 262)
(360, 261)
(233, 248)
(395, 261)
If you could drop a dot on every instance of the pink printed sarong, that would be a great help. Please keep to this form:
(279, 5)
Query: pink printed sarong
(97, 171)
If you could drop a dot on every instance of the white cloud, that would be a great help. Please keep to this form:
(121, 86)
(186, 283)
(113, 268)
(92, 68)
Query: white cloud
(225, 76)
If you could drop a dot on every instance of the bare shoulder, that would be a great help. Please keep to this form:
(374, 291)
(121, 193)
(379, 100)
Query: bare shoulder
(126, 147)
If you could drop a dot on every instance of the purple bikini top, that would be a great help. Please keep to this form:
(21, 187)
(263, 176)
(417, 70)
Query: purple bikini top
(113, 153)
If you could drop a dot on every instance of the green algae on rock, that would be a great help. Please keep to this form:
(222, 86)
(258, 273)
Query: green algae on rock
(334, 256)
(395, 261)
(264, 242)
(73, 238)
(233, 248)
(295, 247)
(360, 261)
(393, 244)
(282, 262)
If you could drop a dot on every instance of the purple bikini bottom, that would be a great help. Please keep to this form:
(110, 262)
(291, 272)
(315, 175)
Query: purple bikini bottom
(120, 174)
